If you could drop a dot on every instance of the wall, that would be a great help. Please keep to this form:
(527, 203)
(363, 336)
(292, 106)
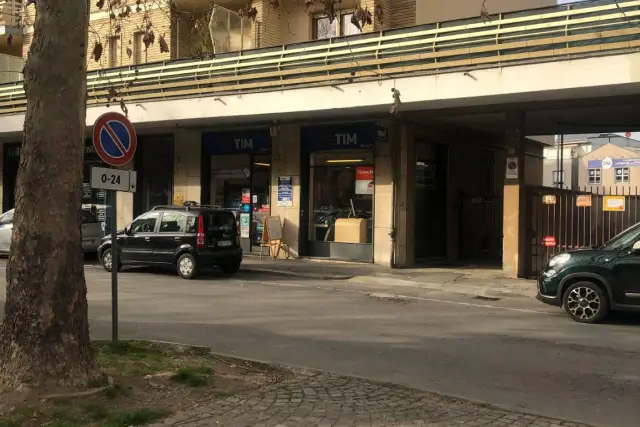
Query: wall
(448, 10)
(383, 199)
(187, 165)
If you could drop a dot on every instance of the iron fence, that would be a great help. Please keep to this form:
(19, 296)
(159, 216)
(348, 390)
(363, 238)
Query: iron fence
(563, 219)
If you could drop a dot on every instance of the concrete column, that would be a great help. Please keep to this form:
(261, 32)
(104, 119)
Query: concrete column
(453, 200)
(514, 231)
(285, 161)
(186, 167)
(383, 200)
(405, 194)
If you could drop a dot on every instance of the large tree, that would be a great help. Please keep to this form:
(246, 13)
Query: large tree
(44, 340)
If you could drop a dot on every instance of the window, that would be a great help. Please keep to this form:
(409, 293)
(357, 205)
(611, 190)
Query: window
(145, 224)
(172, 222)
(558, 177)
(342, 187)
(341, 26)
(138, 49)
(595, 176)
(113, 51)
(622, 175)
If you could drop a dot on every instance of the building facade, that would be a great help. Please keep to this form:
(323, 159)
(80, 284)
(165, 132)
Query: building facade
(366, 187)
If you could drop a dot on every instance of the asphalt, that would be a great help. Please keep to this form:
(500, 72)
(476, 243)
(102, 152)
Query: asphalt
(513, 352)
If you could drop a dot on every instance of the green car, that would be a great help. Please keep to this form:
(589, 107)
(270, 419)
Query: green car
(589, 283)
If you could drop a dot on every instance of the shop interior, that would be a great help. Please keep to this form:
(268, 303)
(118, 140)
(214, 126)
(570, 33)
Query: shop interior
(241, 183)
(341, 191)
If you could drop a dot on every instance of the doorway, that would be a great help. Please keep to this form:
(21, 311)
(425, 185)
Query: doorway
(430, 186)
(154, 163)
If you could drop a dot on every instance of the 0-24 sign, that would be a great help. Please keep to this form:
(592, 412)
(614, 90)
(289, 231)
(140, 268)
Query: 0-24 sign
(113, 179)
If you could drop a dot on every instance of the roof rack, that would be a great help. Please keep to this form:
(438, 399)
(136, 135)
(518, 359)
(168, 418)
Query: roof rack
(186, 205)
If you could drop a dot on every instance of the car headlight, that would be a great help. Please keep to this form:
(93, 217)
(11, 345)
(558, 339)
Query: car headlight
(559, 260)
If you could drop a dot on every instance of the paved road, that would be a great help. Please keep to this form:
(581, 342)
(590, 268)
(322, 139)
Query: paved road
(512, 352)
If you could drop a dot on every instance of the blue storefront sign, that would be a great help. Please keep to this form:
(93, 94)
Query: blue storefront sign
(339, 137)
(237, 142)
(608, 163)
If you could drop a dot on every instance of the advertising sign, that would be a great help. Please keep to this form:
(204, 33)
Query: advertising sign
(614, 203)
(285, 191)
(246, 196)
(583, 201)
(364, 180)
(245, 225)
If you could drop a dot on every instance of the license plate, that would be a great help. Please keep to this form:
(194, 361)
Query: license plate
(225, 243)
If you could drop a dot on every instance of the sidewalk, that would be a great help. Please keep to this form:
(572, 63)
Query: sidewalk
(489, 283)
(314, 399)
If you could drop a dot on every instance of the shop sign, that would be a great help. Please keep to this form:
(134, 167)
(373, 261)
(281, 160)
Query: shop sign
(614, 203)
(285, 191)
(583, 201)
(364, 180)
(246, 196)
(549, 199)
(549, 241)
(608, 163)
(344, 137)
(245, 225)
(256, 141)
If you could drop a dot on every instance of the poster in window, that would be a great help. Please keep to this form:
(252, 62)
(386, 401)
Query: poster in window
(364, 180)
(285, 191)
(245, 225)
(246, 196)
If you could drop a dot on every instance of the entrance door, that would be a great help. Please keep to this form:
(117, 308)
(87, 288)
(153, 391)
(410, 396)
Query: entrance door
(154, 162)
(431, 169)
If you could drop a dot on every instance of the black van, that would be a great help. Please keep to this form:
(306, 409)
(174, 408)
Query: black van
(191, 238)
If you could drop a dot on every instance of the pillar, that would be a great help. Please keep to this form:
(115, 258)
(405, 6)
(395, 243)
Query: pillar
(514, 231)
(285, 161)
(186, 167)
(405, 194)
(383, 199)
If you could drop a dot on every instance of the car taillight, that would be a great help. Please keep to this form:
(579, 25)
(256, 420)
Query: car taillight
(200, 236)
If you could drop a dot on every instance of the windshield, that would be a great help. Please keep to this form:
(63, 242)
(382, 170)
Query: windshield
(624, 239)
(7, 217)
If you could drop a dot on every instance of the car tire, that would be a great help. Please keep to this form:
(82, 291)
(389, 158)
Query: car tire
(186, 266)
(586, 302)
(106, 259)
(230, 268)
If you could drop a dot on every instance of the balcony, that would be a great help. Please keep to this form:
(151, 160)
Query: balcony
(530, 36)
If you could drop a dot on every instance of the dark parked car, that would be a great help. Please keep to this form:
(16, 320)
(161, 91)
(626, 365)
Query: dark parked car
(589, 283)
(190, 238)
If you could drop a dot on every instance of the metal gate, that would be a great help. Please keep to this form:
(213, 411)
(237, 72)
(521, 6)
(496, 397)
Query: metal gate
(562, 220)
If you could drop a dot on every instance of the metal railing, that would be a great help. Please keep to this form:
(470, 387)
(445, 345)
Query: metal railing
(568, 31)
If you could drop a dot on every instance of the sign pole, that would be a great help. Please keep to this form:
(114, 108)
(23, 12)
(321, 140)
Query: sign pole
(115, 142)
(114, 267)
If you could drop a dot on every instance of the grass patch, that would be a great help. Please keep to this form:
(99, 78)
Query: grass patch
(192, 377)
(150, 382)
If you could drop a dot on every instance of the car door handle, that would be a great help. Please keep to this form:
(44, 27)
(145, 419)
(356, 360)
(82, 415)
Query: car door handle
(147, 238)
(177, 238)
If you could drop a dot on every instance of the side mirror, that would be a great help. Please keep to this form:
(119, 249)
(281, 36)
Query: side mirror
(127, 230)
(636, 247)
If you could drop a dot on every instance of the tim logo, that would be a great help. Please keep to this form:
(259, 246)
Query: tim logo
(346, 139)
(243, 143)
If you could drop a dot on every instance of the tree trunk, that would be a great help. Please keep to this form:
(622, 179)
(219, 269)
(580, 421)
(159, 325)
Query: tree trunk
(44, 340)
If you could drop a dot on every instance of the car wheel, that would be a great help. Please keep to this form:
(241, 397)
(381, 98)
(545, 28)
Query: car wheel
(230, 268)
(107, 260)
(187, 267)
(586, 302)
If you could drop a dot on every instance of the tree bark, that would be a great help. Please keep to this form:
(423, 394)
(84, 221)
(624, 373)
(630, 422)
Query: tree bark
(44, 340)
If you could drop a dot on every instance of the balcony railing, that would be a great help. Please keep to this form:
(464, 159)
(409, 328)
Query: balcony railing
(548, 34)
(9, 13)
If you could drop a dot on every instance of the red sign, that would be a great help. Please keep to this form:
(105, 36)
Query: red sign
(114, 139)
(549, 241)
(364, 180)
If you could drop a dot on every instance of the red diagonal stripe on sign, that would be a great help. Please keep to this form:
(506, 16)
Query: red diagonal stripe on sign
(115, 138)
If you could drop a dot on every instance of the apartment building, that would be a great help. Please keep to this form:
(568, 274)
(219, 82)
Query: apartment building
(389, 185)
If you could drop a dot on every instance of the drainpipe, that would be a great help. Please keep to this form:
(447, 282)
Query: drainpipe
(394, 177)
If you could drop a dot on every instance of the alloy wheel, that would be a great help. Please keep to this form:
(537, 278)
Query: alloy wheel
(583, 303)
(107, 260)
(186, 266)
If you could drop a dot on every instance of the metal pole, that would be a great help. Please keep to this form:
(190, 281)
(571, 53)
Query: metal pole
(114, 267)
(561, 172)
(557, 183)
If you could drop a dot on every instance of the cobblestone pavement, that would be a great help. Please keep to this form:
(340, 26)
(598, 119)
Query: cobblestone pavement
(327, 400)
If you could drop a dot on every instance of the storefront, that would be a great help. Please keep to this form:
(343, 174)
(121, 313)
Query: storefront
(337, 177)
(239, 179)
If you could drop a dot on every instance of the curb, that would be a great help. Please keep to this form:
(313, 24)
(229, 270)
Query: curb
(320, 276)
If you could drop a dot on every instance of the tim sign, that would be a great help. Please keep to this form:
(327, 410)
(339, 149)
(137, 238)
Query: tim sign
(364, 180)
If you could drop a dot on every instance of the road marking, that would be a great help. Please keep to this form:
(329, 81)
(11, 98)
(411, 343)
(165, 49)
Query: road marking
(293, 285)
